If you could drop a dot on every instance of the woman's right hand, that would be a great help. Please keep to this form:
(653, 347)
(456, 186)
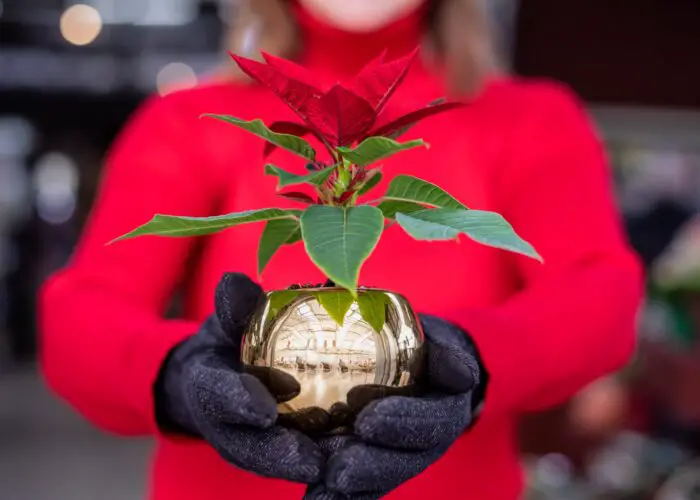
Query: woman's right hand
(204, 391)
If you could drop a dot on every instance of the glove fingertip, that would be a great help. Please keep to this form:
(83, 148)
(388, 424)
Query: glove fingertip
(451, 358)
(346, 474)
(452, 371)
(222, 396)
(235, 299)
(260, 404)
(281, 385)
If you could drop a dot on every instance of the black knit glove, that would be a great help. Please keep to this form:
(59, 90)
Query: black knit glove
(204, 391)
(396, 437)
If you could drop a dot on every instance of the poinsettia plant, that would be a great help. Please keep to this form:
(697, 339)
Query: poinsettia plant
(338, 232)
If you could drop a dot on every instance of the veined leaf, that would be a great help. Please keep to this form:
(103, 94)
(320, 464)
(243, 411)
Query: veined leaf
(391, 207)
(297, 94)
(412, 189)
(176, 226)
(401, 125)
(378, 80)
(277, 233)
(374, 149)
(396, 129)
(292, 143)
(373, 309)
(339, 239)
(408, 194)
(336, 303)
(282, 127)
(341, 116)
(279, 299)
(289, 69)
(488, 228)
(316, 177)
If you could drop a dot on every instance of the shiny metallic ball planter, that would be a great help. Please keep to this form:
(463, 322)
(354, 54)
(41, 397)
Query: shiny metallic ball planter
(372, 340)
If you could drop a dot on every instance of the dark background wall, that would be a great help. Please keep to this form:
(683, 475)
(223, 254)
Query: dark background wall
(615, 51)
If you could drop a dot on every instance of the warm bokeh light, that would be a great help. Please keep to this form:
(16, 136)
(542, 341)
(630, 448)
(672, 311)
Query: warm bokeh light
(81, 24)
(175, 76)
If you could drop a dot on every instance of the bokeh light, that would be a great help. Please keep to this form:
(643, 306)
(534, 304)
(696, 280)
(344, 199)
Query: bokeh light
(56, 180)
(17, 136)
(80, 24)
(175, 76)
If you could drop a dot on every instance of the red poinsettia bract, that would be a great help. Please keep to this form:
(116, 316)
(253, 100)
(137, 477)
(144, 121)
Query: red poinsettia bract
(341, 115)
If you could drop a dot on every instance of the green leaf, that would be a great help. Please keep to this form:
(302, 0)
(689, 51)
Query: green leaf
(412, 189)
(391, 207)
(176, 226)
(373, 309)
(292, 143)
(374, 177)
(336, 303)
(279, 299)
(277, 233)
(374, 149)
(317, 177)
(488, 228)
(339, 239)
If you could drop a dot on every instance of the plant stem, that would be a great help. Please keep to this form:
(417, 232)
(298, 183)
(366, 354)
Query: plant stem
(340, 160)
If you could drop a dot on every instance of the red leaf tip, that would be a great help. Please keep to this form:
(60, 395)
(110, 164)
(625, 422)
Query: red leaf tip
(378, 80)
(342, 115)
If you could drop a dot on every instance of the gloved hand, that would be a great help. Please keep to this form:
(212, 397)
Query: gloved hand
(204, 391)
(396, 437)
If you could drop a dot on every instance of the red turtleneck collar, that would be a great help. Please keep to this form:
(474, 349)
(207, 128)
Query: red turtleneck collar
(339, 53)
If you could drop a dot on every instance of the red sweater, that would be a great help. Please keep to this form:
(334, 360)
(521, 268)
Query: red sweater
(524, 148)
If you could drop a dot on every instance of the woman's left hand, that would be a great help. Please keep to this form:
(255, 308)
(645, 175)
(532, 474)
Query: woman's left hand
(396, 437)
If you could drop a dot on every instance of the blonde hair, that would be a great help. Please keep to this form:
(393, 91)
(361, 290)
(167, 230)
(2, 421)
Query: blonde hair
(459, 35)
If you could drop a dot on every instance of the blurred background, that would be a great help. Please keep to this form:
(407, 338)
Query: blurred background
(71, 73)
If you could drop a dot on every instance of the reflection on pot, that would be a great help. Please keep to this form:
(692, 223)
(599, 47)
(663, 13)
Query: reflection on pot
(331, 342)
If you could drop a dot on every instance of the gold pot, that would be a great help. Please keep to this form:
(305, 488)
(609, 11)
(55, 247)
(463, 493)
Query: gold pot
(331, 342)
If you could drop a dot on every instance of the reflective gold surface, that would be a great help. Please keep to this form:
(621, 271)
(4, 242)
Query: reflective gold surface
(295, 331)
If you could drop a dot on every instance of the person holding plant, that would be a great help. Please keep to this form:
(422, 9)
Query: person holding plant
(504, 334)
